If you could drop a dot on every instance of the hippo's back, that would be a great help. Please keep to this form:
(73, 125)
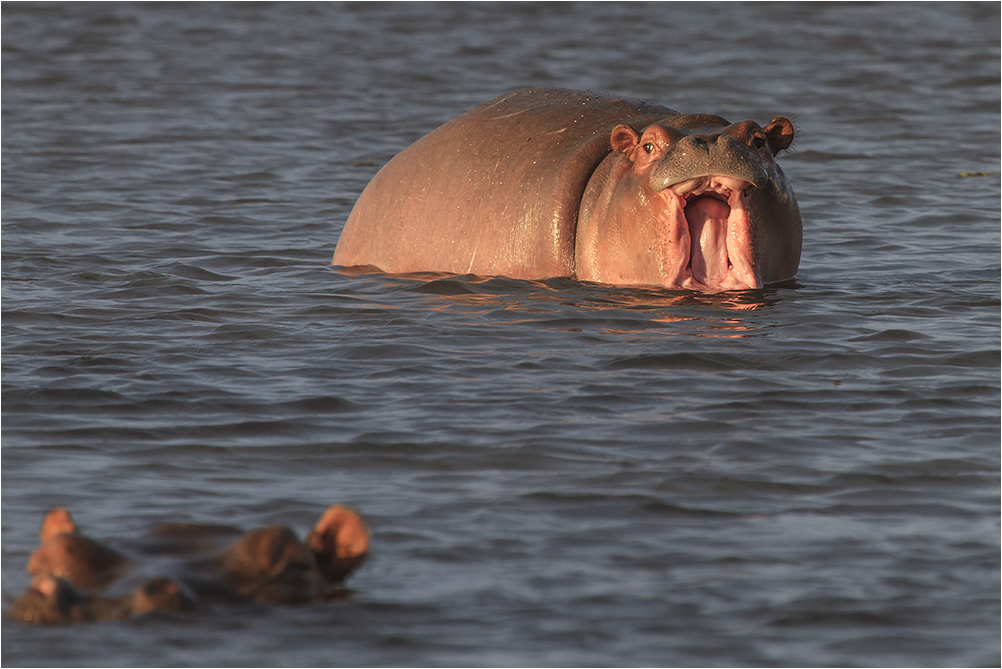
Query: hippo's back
(494, 191)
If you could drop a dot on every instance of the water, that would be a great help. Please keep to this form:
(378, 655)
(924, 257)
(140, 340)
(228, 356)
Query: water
(555, 473)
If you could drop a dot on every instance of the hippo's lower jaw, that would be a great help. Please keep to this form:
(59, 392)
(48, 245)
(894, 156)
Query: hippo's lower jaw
(709, 215)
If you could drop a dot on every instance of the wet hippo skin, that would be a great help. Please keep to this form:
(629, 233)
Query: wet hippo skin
(542, 183)
(176, 566)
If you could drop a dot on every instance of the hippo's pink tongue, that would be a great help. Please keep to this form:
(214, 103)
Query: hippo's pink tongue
(707, 218)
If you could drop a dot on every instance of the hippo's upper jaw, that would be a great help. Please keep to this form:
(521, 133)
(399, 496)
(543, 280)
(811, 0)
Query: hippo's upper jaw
(710, 216)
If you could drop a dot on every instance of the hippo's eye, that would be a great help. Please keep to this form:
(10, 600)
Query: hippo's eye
(648, 147)
(758, 143)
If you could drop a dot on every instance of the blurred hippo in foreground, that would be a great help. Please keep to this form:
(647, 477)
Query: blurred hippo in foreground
(75, 578)
(543, 183)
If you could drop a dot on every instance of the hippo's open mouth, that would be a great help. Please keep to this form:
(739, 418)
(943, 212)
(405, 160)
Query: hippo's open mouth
(711, 212)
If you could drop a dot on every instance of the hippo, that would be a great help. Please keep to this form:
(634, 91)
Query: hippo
(176, 566)
(542, 183)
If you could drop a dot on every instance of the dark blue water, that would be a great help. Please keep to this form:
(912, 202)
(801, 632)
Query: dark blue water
(554, 473)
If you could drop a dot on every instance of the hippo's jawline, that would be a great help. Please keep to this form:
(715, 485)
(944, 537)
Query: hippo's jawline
(710, 217)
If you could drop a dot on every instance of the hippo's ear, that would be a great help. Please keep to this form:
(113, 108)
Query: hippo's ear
(624, 139)
(56, 521)
(340, 543)
(780, 134)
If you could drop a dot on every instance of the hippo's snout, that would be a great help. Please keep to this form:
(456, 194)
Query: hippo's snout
(696, 156)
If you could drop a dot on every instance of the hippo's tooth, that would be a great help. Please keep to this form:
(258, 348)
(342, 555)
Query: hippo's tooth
(714, 183)
(721, 183)
(686, 188)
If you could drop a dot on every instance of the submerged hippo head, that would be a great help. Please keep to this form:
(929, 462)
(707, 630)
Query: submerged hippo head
(691, 202)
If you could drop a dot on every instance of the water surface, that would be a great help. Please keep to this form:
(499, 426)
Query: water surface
(555, 473)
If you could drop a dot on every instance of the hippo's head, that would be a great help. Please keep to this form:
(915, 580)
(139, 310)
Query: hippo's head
(692, 202)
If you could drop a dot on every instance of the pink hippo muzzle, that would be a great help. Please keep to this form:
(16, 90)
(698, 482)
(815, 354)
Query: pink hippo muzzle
(716, 192)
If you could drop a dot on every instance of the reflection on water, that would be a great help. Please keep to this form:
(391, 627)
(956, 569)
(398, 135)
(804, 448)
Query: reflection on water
(555, 473)
(444, 283)
(537, 300)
